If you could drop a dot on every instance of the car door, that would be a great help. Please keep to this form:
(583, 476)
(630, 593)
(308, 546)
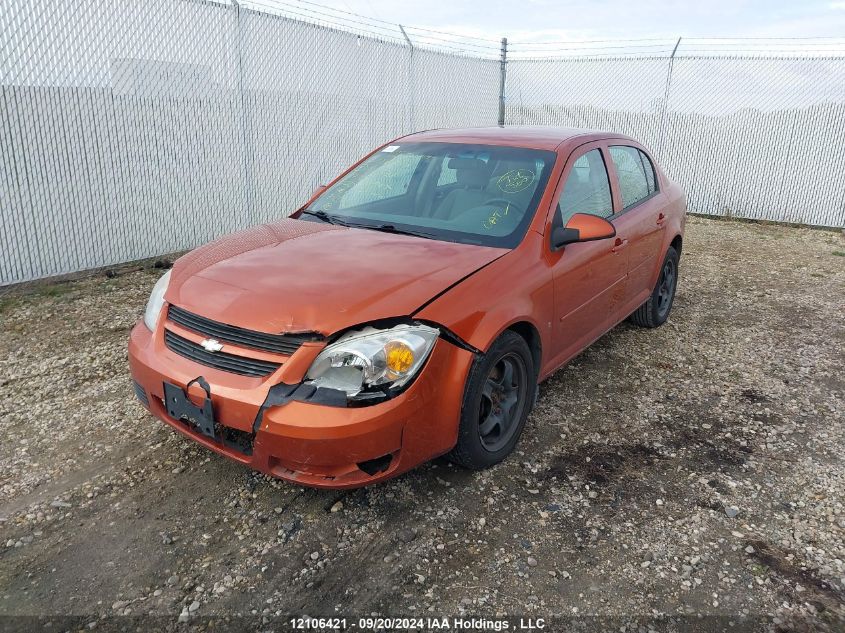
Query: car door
(640, 223)
(588, 277)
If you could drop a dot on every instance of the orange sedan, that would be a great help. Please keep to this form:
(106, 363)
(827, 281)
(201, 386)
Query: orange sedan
(411, 307)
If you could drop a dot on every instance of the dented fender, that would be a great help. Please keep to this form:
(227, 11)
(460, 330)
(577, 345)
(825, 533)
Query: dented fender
(512, 289)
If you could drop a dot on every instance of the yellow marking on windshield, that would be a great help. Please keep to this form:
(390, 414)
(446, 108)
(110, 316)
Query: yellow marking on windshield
(494, 217)
(515, 180)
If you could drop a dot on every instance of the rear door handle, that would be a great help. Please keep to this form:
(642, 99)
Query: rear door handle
(661, 218)
(618, 245)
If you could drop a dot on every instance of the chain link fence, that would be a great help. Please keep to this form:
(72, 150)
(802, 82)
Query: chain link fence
(130, 130)
(749, 137)
(133, 129)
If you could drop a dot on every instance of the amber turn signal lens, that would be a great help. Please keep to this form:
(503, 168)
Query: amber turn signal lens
(398, 356)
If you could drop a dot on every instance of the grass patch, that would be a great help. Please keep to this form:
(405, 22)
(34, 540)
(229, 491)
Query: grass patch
(47, 291)
(54, 290)
(839, 253)
(7, 304)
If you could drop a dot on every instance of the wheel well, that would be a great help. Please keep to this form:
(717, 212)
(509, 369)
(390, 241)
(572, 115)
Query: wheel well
(532, 337)
(677, 243)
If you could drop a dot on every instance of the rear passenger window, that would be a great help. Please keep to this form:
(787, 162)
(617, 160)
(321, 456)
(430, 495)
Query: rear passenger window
(649, 172)
(587, 190)
(633, 181)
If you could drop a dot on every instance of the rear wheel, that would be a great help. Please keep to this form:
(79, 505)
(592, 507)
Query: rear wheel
(497, 400)
(655, 310)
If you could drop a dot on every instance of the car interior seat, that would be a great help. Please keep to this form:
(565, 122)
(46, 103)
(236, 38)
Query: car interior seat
(473, 176)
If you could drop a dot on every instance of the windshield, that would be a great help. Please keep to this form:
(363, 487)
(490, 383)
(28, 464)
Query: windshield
(473, 194)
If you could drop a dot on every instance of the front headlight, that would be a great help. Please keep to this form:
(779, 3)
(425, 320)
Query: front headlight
(156, 301)
(372, 360)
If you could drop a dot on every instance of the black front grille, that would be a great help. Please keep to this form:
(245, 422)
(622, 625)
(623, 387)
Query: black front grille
(277, 343)
(219, 360)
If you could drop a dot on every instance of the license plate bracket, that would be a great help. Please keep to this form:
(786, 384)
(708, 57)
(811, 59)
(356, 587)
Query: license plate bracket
(180, 407)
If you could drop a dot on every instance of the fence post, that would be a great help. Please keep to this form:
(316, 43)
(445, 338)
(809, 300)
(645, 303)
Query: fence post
(665, 107)
(502, 73)
(411, 95)
(246, 125)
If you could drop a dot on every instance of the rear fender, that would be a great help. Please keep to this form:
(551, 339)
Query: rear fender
(676, 218)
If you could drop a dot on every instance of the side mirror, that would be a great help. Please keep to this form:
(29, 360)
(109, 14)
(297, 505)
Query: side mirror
(582, 227)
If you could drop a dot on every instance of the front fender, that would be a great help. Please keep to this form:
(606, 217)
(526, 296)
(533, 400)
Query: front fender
(515, 288)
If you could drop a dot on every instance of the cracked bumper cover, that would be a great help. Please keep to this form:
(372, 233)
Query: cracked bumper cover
(308, 443)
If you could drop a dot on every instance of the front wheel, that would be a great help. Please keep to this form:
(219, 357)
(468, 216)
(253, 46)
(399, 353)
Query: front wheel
(498, 397)
(655, 310)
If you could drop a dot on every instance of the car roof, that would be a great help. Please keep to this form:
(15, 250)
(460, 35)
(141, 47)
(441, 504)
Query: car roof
(530, 136)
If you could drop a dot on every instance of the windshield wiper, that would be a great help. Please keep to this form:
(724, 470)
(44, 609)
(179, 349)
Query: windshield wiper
(392, 228)
(325, 217)
(387, 228)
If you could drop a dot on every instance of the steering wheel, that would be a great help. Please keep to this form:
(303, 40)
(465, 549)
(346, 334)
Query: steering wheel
(504, 203)
(509, 214)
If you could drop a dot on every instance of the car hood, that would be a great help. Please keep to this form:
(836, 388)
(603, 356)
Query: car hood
(299, 276)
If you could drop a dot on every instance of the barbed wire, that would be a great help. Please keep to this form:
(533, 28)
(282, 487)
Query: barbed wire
(417, 28)
(753, 37)
(578, 46)
(490, 48)
(664, 39)
(379, 29)
(717, 46)
(383, 34)
(283, 10)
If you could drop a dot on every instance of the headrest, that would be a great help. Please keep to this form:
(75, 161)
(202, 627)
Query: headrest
(467, 163)
(470, 172)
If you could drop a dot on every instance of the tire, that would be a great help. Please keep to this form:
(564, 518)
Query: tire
(656, 309)
(499, 394)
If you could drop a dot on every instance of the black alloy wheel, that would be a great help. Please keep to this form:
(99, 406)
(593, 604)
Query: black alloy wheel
(498, 397)
(666, 287)
(502, 397)
(656, 308)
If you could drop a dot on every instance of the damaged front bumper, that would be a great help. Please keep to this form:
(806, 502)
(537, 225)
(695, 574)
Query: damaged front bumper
(281, 427)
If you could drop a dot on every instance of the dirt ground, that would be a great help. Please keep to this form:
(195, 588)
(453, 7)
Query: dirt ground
(695, 469)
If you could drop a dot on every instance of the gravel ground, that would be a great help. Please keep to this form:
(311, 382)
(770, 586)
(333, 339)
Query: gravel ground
(693, 469)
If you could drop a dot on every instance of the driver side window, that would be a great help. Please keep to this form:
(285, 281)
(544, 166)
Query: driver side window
(587, 189)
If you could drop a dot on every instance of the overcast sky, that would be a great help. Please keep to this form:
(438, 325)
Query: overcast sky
(593, 19)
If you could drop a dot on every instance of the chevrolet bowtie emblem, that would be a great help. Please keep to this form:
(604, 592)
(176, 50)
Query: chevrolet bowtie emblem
(211, 345)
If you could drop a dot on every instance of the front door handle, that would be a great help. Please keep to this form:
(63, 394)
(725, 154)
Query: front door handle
(618, 245)
(661, 218)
